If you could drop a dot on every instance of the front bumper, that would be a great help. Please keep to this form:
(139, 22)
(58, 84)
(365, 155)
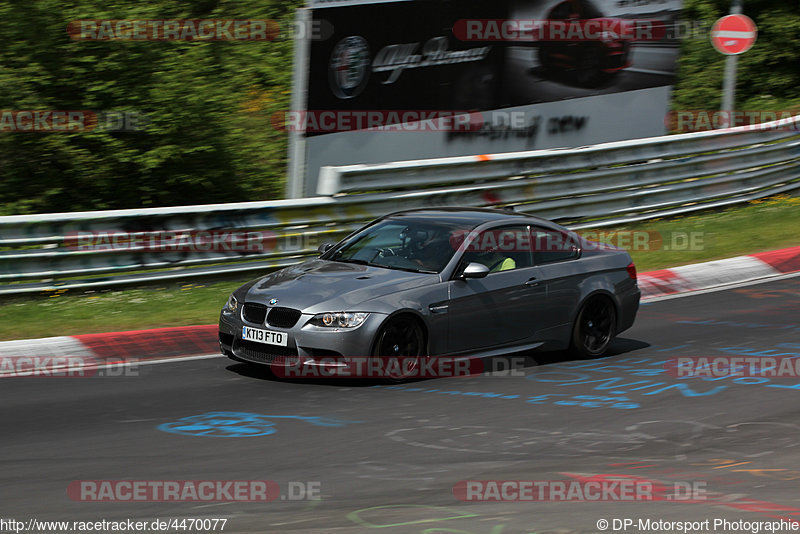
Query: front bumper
(306, 343)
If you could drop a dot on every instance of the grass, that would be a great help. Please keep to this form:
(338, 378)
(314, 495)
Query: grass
(63, 313)
(758, 226)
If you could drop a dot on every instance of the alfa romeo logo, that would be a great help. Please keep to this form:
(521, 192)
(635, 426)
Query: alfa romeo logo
(348, 70)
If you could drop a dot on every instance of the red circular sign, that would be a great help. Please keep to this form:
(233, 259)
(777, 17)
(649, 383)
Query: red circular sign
(734, 34)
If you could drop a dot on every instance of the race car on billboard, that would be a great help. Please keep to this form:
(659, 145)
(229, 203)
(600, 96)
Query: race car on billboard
(589, 62)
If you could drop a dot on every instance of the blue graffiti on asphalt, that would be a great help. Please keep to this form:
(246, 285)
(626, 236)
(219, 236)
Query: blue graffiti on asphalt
(630, 377)
(239, 424)
(587, 401)
(650, 370)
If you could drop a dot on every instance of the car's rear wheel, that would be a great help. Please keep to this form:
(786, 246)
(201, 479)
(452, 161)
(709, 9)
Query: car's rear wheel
(594, 328)
(401, 342)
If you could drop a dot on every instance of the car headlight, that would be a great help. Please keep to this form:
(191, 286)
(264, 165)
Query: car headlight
(232, 305)
(339, 319)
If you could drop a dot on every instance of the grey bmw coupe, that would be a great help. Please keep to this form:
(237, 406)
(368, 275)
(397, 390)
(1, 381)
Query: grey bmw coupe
(461, 282)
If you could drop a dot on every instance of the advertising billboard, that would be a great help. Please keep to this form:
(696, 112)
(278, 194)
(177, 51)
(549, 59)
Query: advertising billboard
(416, 79)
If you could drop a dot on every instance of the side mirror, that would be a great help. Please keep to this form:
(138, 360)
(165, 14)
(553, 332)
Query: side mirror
(475, 270)
(325, 247)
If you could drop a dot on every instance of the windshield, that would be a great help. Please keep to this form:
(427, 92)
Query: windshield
(410, 245)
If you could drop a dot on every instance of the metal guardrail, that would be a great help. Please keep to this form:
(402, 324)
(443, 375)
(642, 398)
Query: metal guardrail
(593, 186)
(423, 174)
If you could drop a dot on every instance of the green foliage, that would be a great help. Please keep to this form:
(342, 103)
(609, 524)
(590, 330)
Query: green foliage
(209, 104)
(768, 74)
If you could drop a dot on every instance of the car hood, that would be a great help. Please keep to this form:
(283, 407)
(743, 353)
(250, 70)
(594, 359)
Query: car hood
(317, 286)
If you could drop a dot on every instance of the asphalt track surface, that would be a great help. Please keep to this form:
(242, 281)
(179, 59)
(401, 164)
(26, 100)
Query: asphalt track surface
(391, 455)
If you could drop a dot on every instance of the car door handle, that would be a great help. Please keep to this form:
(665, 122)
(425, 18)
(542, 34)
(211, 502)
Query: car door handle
(438, 308)
(532, 282)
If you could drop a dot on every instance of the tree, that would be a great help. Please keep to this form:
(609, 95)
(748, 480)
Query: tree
(208, 104)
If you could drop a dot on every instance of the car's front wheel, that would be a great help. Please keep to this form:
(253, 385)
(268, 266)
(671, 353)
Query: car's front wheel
(401, 343)
(594, 328)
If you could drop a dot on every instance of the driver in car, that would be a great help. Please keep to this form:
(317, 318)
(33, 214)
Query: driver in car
(489, 257)
(496, 262)
(431, 251)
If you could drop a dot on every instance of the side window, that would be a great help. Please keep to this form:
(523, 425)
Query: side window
(550, 246)
(501, 249)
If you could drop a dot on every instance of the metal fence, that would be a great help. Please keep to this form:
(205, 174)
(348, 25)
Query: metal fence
(593, 186)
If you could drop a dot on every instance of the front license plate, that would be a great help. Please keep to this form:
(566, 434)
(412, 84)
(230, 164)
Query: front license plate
(264, 336)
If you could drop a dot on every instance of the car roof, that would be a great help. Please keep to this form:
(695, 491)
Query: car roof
(463, 215)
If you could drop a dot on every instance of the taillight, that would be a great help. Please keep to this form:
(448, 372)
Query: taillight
(631, 268)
